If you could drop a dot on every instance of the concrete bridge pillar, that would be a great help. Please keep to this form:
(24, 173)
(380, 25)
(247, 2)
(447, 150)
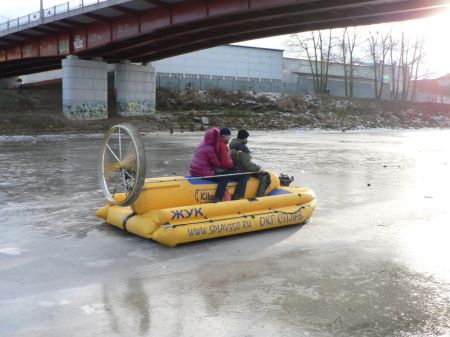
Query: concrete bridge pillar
(135, 89)
(84, 88)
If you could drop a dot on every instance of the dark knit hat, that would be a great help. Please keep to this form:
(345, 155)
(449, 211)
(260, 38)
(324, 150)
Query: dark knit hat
(225, 132)
(242, 134)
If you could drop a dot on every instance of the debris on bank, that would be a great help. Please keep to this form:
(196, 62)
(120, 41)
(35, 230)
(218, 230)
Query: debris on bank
(278, 111)
(39, 111)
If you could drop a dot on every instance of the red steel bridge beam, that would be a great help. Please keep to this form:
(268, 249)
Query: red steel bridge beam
(167, 29)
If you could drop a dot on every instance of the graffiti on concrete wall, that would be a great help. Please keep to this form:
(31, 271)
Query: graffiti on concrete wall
(136, 107)
(85, 111)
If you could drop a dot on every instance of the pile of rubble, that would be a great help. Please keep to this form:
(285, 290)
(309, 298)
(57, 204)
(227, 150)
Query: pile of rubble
(200, 109)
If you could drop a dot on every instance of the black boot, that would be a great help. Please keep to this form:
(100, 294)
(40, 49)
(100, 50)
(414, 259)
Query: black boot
(264, 182)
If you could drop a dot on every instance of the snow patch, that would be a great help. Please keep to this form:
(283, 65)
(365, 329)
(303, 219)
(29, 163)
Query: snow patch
(96, 308)
(12, 251)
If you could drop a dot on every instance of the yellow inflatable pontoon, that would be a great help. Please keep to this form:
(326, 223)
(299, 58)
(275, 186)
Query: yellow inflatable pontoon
(173, 210)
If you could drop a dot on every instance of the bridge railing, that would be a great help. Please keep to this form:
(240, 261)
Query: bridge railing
(49, 12)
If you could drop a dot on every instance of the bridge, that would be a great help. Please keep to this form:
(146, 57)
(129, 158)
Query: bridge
(140, 31)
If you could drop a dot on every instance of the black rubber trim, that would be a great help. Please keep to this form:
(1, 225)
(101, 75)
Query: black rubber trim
(124, 223)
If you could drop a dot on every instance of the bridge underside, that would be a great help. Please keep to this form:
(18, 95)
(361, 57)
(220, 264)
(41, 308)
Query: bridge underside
(148, 30)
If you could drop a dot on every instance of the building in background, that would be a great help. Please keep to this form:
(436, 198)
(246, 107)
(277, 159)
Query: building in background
(299, 79)
(257, 69)
(226, 67)
(435, 90)
(232, 67)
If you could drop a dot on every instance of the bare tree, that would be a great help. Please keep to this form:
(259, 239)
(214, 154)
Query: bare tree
(379, 44)
(348, 45)
(400, 65)
(344, 49)
(413, 69)
(418, 62)
(406, 63)
(405, 66)
(394, 86)
(382, 48)
(317, 46)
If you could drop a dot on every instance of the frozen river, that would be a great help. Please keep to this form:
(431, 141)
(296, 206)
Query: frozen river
(374, 260)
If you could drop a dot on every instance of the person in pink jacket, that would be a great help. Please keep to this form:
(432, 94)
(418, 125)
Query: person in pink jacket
(206, 163)
(205, 156)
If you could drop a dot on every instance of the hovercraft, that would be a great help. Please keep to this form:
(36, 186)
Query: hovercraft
(176, 209)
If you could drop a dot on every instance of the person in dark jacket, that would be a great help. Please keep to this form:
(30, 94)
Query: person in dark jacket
(227, 165)
(243, 160)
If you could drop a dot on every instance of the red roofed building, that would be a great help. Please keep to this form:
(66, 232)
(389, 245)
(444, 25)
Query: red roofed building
(433, 90)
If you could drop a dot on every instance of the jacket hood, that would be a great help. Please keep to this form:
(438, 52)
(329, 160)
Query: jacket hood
(239, 145)
(234, 144)
(212, 137)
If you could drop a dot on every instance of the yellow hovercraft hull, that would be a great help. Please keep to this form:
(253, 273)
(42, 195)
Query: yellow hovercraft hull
(172, 210)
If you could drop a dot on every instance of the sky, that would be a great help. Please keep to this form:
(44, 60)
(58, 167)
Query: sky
(14, 9)
(433, 29)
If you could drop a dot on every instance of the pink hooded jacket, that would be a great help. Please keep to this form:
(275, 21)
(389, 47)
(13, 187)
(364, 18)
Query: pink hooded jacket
(205, 156)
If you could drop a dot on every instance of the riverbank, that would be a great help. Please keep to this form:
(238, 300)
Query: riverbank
(35, 110)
